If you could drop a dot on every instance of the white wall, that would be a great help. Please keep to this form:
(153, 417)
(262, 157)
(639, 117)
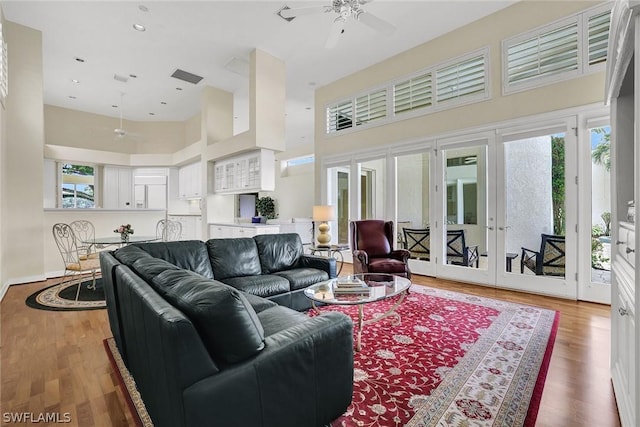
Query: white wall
(528, 187)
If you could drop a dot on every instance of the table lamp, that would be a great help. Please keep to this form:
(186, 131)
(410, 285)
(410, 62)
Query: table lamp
(324, 214)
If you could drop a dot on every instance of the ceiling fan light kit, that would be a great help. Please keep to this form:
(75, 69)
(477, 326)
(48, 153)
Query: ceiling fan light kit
(344, 9)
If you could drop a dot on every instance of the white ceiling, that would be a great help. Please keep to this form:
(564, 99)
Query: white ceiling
(201, 37)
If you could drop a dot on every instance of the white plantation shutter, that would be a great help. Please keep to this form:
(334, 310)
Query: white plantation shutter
(598, 37)
(548, 53)
(340, 116)
(460, 80)
(413, 94)
(4, 68)
(370, 107)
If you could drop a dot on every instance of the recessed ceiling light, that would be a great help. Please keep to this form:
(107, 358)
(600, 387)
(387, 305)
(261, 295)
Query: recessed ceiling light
(79, 59)
(72, 97)
(178, 88)
(307, 108)
(75, 80)
(163, 103)
(152, 114)
(312, 83)
(143, 8)
(133, 76)
(114, 105)
(139, 27)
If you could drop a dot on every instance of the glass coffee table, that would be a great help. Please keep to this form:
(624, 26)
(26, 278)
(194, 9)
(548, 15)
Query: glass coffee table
(361, 289)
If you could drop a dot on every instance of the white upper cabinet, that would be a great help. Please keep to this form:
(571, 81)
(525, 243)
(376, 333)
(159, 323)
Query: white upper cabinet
(117, 188)
(190, 181)
(245, 173)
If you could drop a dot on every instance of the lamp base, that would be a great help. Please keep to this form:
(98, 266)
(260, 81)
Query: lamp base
(324, 238)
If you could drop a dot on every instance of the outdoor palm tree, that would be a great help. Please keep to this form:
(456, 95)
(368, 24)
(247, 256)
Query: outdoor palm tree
(601, 155)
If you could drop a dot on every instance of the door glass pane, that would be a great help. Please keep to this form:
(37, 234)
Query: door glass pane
(412, 204)
(466, 207)
(372, 189)
(535, 206)
(338, 196)
(600, 205)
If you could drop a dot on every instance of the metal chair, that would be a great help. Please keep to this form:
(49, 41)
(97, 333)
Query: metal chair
(549, 261)
(458, 252)
(85, 234)
(73, 265)
(417, 242)
(168, 230)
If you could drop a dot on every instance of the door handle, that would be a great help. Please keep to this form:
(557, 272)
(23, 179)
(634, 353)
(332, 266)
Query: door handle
(504, 228)
(623, 311)
(489, 227)
(629, 250)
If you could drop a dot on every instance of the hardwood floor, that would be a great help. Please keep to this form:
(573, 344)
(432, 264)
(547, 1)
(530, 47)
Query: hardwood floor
(55, 361)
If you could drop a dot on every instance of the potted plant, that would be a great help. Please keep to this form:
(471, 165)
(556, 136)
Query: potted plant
(266, 208)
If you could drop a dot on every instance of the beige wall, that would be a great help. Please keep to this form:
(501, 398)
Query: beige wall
(78, 129)
(22, 165)
(489, 31)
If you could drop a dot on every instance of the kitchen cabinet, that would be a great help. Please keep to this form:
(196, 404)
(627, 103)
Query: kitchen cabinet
(191, 226)
(117, 187)
(250, 172)
(623, 95)
(190, 181)
(227, 231)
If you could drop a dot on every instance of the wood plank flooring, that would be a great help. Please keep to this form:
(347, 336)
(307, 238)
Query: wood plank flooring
(54, 362)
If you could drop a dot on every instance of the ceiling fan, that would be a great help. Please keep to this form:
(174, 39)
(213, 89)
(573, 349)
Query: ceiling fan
(344, 9)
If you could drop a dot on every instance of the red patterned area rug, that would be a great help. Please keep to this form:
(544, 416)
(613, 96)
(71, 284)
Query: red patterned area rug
(454, 360)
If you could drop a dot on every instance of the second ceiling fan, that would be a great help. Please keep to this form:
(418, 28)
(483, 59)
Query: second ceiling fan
(344, 9)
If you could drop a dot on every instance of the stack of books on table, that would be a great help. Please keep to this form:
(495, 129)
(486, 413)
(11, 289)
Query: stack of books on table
(350, 286)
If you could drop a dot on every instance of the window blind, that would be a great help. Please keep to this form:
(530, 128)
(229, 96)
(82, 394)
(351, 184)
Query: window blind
(339, 116)
(462, 79)
(548, 53)
(370, 107)
(412, 94)
(598, 37)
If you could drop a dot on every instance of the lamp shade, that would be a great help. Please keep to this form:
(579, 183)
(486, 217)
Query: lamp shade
(324, 213)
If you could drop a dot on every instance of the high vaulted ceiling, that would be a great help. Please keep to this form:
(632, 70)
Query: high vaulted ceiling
(202, 37)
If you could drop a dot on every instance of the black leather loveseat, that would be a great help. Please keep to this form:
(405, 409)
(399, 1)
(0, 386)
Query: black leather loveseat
(203, 352)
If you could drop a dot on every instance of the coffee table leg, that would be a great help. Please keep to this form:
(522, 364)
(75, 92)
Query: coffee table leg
(360, 325)
(391, 312)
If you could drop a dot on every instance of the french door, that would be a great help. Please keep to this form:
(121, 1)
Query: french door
(537, 227)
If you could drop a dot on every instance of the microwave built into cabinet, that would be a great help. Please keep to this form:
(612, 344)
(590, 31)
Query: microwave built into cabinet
(248, 172)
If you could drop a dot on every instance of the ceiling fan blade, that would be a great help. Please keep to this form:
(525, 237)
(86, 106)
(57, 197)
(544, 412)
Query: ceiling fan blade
(336, 30)
(376, 23)
(288, 13)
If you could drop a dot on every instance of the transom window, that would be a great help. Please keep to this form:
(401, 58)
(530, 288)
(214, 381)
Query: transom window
(565, 49)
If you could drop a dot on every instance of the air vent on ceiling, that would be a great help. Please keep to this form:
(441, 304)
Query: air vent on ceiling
(120, 78)
(186, 76)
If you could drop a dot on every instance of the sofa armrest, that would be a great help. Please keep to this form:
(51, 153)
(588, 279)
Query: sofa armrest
(304, 376)
(327, 265)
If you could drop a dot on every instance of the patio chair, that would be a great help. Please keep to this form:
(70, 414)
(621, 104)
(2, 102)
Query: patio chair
(417, 242)
(372, 246)
(549, 261)
(168, 230)
(73, 264)
(458, 253)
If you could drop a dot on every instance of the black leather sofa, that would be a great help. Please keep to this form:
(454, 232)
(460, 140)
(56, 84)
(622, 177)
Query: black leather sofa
(203, 352)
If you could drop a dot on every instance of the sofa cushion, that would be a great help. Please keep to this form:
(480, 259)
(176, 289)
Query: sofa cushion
(229, 326)
(129, 254)
(233, 257)
(258, 303)
(188, 254)
(279, 318)
(278, 251)
(300, 278)
(148, 268)
(264, 285)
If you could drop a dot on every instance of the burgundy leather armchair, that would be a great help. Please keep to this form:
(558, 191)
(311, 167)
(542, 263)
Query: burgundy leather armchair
(372, 246)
